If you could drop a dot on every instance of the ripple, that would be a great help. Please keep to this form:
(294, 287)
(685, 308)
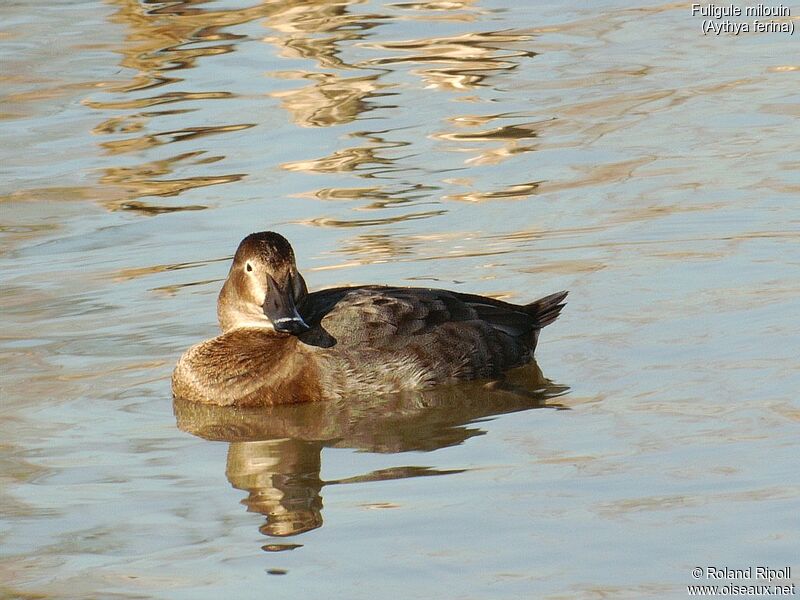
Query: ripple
(140, 179)
(169, 137)
(166, 98)
(331, 100)
(326, 222)
(516, 191)
(380, 197)
(341, 161)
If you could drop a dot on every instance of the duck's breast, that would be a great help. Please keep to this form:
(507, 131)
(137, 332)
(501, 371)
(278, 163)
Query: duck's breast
(247, 367)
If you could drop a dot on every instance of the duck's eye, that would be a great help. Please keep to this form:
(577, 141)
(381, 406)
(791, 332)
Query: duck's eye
(249, 267)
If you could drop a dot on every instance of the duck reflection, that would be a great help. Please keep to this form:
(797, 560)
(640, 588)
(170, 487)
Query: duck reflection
(281, 478)
(275, 451)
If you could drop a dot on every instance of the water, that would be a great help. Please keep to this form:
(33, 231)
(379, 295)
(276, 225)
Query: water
(504, 148)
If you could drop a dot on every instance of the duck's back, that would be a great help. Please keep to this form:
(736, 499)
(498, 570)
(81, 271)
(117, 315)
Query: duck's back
(379, 339)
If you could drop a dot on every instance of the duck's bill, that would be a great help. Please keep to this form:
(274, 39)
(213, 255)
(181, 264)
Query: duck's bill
(280, 309)
(292, 325)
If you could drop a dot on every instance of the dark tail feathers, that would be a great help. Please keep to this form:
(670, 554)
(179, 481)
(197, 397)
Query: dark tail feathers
(546, 310)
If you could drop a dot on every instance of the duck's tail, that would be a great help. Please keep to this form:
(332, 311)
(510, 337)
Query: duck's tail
(546, 310)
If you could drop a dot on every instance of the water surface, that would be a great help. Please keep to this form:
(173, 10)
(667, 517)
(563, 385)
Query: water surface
(504, 148)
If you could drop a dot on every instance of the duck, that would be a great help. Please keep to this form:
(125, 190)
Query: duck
(282, 344)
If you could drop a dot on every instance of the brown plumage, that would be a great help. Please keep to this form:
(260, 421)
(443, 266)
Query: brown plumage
(282, 344)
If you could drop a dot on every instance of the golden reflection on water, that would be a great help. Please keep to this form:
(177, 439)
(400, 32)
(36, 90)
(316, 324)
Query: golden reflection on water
(518, 191)
(275, 451)
(324, 222)
(164, 42)
(331, 100)
(139, 180)
(315, 31)
(376, 248)
(446, 9)
(462, 62)
(379, 196)
(150, 141)
(364, 160)
(349, 159)
(515, 139)
(456, 63)
(136, 272)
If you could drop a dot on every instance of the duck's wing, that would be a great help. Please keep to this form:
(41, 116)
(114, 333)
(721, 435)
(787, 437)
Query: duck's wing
(384, 316)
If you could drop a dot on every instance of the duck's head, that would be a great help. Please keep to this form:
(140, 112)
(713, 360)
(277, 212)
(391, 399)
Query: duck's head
(263, 287)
